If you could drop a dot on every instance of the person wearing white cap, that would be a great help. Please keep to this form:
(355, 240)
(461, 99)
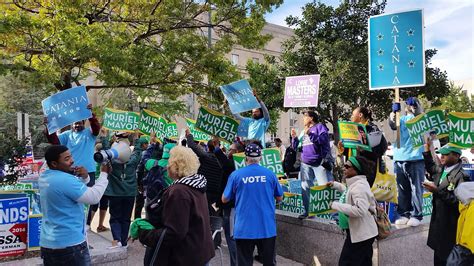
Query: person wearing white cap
(254, 189)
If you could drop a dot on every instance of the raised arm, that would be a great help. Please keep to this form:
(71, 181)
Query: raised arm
(193, 146)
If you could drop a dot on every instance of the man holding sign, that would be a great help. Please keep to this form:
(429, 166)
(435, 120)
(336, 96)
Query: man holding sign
(409, 167)
(256, 125)
(80, 141)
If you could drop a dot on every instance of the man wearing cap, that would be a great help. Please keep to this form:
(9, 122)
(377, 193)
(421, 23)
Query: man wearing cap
(445, 179)
(254, 189)
(409, 167)
(316, 148)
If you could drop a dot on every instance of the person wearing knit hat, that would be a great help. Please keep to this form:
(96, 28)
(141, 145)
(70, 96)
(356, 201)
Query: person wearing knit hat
(254, 189)
(356, 207)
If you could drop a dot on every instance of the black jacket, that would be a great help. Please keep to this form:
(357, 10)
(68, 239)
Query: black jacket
(444, 218)
(210, 168)
(228, 167)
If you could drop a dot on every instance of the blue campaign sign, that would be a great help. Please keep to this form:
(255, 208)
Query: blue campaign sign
(396, 50)
(13, 226)
(65, 108)
(34, 231)
(240, 97)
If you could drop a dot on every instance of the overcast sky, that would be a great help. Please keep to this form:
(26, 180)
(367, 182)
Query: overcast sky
(448, 28)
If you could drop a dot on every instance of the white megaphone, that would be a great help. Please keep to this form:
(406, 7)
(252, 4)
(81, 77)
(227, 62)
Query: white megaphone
(120, 152)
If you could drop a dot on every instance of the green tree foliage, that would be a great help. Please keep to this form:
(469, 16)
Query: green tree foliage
(332, 42)
(140, 44)
(456, 100)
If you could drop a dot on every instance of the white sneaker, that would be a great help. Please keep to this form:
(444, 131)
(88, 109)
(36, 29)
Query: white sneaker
(115, 244)
(402, 221)
(413, 222)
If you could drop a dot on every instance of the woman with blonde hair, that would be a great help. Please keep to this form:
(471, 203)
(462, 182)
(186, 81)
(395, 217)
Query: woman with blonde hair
(184, 214)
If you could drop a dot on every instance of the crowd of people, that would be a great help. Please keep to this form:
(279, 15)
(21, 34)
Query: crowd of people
(184, 186)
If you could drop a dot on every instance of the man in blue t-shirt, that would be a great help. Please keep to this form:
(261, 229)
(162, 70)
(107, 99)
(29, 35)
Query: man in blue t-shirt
(254, 189)
(409, 167)
(81, 143)
(255, 127)
(63, 194)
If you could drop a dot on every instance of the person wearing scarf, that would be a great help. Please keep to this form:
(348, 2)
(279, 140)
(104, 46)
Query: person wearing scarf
(185, 216)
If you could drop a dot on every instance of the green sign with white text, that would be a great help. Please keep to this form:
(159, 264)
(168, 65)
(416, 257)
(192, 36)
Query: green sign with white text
(217, 124)
(461, 129)
(270, 159)
(320, 197)
(117, 120)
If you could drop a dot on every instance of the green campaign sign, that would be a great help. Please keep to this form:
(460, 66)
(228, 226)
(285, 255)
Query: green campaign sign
(152, 122)
(461, 131)
(423, 123)
(270, 159)
(217, 124)
(118, 120)
(353, 135)
(427, 207)
(172, 131)
(291, 203)
(320, 197)
(197, 134)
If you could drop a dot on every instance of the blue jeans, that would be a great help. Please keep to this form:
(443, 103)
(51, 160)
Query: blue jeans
(308, 174)
(410, 175)
(229, 239)
(120, 209)
(74, 255)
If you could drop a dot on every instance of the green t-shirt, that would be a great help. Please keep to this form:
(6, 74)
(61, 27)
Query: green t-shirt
(343, 219)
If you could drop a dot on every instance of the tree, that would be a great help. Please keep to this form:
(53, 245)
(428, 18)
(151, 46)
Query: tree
(332, 42)
(153, 45)
(11, 150)
(457, 100)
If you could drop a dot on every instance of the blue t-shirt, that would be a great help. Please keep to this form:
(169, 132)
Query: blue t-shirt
(63, 223)
(254, 189)
(81, 145)
(406, 151)
(256, 128)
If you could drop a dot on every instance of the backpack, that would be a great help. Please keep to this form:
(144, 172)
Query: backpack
(154, 209)
(289, 160)
(382, 221)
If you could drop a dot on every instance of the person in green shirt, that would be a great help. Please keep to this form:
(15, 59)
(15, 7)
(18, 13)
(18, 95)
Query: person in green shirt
(121, 193)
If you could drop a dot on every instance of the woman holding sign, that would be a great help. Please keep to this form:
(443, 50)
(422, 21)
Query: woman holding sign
(356, 207)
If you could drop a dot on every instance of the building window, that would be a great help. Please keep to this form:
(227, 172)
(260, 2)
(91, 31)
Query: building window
(235, 59)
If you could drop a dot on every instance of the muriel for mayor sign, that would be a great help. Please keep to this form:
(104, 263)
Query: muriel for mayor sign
(396, 50)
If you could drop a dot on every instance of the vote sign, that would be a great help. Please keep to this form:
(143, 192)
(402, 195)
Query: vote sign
(13, 226)
(301, 91)
(65, 108)
(396, 50)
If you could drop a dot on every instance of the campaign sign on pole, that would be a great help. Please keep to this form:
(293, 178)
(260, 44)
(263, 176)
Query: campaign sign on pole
(13, 226)
(461, 129)
(270, 159)
(291, 203)
(396, 50)
(353, 135)
(240, 96)
(65, 108)
(172, 131)
(197, 134)
(423, 123)
(301, 91)
(320, 197)
(217, 124)
(117, 120)
(152, 122)
(34, 231)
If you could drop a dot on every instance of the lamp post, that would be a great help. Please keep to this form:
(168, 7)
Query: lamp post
(143, 102)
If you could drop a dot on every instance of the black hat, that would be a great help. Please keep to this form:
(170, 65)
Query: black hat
(253, 150)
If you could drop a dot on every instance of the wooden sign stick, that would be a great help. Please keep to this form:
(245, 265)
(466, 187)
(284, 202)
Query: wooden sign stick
(397, 116)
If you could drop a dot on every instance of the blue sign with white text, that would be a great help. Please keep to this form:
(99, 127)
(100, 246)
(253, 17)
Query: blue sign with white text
(396, 50)
(34, 231)
(240, 96)
(65, 108)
